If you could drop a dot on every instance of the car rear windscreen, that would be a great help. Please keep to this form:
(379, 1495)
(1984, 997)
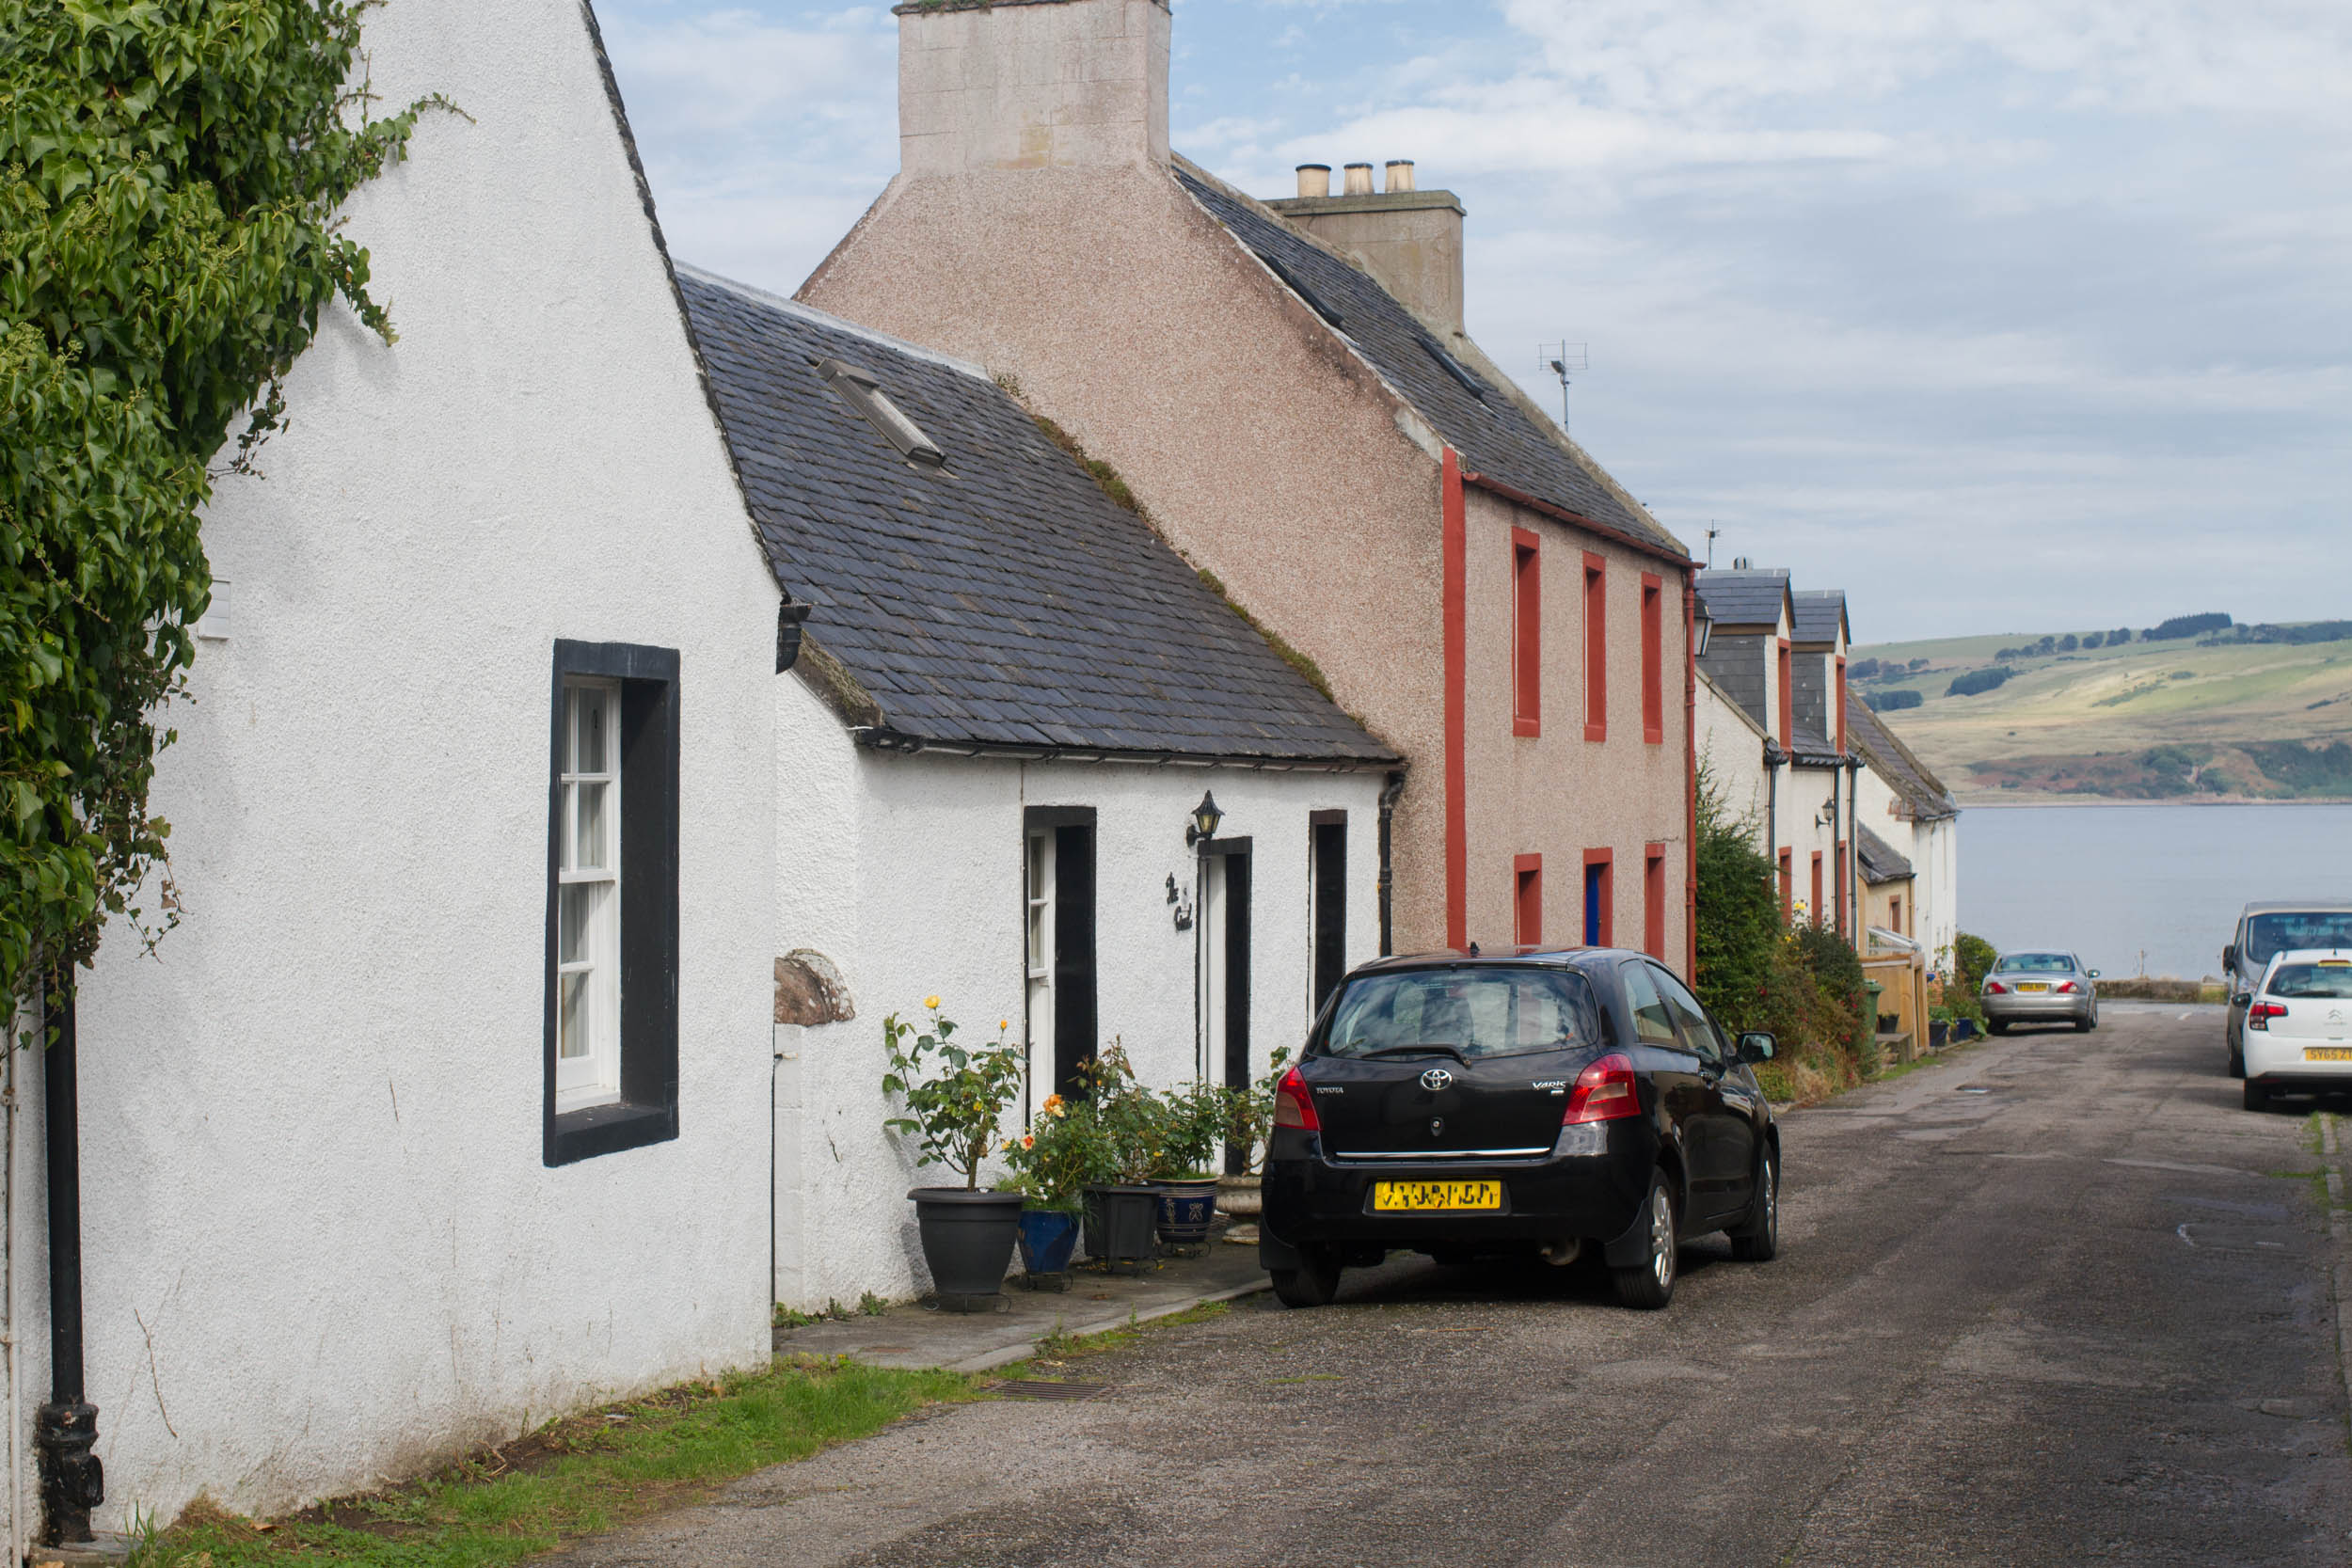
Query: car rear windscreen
(2035, 963)
(2320, 982)
(1478, 1012)
(2269, 935)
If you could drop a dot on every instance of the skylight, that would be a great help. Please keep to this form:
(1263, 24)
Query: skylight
(862, 392)
(1315, 302)
(1455, 369)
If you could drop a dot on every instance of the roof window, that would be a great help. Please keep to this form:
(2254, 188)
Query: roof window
(862, 392)
(1455, 369)
(1315, 302)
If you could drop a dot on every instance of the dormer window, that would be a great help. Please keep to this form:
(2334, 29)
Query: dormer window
(862, 392)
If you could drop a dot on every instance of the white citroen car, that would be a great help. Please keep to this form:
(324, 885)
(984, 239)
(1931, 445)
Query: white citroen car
(2299, 1026)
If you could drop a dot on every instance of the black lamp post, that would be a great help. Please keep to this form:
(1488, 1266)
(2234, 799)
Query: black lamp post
(1205, 816)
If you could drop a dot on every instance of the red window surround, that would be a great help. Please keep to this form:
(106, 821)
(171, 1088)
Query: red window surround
(1817, 888)
(1527, 633)
(1787, 698)
(1841, 705)
(1653, 901)
(1787, 887)
(1653, 660)
(1596, 647)
(1527, 900)
(1600, 898)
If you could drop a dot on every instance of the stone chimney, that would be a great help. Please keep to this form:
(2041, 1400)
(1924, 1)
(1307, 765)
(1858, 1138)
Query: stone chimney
(1410, 239)
(1031, 83)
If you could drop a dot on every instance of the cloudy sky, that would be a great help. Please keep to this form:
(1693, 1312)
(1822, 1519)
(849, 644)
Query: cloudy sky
(2005, 315)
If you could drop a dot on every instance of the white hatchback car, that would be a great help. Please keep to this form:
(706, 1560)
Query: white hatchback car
(2299, 1026)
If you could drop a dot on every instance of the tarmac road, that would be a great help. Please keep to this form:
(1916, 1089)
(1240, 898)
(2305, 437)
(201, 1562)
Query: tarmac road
(2080, 1316)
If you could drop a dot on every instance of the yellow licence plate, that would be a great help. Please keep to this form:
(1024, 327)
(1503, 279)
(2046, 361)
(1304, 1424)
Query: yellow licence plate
(2039, 986)
(1423, 1196)
(2327, 1052)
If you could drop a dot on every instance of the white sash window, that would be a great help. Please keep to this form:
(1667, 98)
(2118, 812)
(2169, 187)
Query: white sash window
(588, 899)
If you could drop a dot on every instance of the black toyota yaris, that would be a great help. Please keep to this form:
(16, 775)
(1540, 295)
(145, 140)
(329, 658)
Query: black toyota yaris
(1532, 1101)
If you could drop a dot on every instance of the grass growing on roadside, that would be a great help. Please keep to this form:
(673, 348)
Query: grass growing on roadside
(572, 1477)
(1059, 1347)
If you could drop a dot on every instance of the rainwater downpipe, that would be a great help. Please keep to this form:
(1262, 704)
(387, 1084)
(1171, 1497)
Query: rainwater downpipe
(64, 1430)
(1389, 794)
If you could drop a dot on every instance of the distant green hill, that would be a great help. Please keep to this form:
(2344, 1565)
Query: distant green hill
(2207, 712)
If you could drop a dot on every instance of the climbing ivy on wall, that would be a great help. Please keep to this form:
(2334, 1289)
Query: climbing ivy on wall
(170, 175)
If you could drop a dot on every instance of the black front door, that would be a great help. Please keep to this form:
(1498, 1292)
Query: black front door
(1330, 896)
(1237, 998)
(1074, 956)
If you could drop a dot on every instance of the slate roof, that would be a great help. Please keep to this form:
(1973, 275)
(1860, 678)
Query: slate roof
(1496, 435)
(1743, 598)
(1735, 664)
(1879, 860)
(1003, 601)
(1893, 761)
(1820, 614)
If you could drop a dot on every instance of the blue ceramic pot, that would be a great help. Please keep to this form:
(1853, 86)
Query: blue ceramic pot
(1186, 1211)
(1048, 1238)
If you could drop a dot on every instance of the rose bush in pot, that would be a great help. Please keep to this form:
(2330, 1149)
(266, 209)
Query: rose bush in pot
(955, 1099)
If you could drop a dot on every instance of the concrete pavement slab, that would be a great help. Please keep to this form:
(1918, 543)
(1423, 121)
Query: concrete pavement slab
(919, 1334)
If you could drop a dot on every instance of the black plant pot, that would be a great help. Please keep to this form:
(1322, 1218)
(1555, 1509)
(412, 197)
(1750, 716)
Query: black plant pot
(968, 1241)
(1119, 1222)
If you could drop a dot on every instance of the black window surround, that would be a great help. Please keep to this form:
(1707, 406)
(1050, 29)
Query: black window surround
(647, 1111)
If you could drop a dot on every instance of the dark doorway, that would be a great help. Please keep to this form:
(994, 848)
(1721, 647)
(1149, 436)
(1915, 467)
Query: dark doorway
(1330, 897)
(1074, 956)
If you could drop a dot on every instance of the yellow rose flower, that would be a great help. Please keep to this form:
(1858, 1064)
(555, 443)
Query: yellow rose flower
(1053, 1105)
(931, 1002)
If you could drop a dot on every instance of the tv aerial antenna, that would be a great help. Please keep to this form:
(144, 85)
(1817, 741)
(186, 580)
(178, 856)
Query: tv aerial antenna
(1567, 361)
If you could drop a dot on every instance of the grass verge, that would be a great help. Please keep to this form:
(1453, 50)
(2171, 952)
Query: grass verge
(572, 1477)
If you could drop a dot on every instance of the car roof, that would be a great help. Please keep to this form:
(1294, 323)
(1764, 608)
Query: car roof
(2308, 906)
(1538, 954)
(2037, 953)
(2310, 956)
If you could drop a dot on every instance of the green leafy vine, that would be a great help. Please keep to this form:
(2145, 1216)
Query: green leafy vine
(170, 172)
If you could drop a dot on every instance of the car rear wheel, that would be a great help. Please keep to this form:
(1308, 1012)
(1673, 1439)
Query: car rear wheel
(1650, 1284)
(2237, 1063)
(1994, 1027)
(2257, 1097)
(1757, 1240)
(1312, 1284)
(2086, 1023)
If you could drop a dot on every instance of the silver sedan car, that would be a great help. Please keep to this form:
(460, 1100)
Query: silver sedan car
(2040, 988)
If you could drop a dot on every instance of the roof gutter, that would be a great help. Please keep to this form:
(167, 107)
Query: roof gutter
(881, 738)
(1576, 519)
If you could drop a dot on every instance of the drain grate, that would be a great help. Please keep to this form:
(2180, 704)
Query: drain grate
(1038, 1388)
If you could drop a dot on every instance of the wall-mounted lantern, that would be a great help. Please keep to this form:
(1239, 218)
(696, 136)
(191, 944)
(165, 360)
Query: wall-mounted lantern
(1702, 625)
(1205, 816)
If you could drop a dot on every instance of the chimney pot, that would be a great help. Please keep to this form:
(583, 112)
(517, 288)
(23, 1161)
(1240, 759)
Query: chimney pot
(1360, 180)
(1400, 174)
(1314, 179)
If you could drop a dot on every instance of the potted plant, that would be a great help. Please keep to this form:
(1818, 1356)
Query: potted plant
(954, 1100)
(1249, 1119)
(1050, 1166)
(1123, 1128)
(1193, 1127)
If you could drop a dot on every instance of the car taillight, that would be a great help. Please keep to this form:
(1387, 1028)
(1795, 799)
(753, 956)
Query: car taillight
(1604, 1091)
(2260, 1013)
(1994, 988)
(2068, 987)
(1295, 1105)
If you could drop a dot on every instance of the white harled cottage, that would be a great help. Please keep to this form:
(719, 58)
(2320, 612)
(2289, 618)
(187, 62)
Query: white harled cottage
(429, 1120)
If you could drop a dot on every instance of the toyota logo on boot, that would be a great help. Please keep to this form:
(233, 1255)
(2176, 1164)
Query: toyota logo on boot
(1437, 1078)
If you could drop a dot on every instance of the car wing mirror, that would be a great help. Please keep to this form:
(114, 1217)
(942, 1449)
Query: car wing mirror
(2229, 956)
(2090, 973)
(1756, 1046)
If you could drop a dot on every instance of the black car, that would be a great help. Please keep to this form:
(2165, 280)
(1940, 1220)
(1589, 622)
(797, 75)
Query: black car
(1530, 1100)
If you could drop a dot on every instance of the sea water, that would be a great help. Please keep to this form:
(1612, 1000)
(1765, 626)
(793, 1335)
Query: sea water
(2151, 889)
